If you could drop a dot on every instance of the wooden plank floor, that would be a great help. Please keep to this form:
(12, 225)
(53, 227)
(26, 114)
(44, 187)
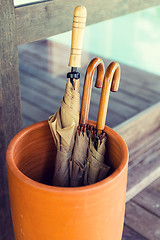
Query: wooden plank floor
(142, 135)
(142, 219)
(43, 68)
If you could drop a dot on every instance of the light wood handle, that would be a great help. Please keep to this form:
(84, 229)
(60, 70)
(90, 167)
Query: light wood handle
(79, 21)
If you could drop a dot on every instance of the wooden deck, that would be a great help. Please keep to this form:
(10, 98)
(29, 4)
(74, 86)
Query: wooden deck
(43, 68)
(142, 219)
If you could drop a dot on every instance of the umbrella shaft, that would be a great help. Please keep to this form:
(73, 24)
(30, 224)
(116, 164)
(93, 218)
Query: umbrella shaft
(73, 69)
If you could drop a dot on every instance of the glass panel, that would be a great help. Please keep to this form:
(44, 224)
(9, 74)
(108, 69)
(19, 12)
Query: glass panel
(133, 39)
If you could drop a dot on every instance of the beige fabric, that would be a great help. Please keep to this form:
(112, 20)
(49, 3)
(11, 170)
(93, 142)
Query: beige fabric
(78, 160)
(95, 168)
(63, 125)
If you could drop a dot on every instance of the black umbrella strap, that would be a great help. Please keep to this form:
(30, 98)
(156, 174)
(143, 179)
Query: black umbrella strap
(73, 75)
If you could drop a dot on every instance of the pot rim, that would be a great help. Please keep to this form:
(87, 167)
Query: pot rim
(103, 183)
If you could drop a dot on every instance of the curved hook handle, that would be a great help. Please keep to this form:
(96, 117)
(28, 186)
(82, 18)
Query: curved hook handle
(86, 97)
(111, 82)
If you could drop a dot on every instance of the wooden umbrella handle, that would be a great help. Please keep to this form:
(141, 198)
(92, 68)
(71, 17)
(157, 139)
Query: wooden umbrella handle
(86, 97)
(111, 82)
(79, 21)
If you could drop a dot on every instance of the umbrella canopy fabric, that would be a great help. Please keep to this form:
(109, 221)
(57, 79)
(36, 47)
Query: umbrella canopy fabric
(80, 151)
(78, 158)
(63, 125)
(96, 168)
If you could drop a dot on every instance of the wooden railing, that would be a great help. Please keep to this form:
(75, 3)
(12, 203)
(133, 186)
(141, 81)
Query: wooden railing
(45, 19)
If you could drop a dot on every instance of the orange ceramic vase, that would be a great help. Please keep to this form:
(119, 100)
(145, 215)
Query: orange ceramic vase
(43, 212)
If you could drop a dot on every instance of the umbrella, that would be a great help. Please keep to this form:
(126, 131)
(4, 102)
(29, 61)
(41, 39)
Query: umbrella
(95, 166)
(81, 142)
(64, 122)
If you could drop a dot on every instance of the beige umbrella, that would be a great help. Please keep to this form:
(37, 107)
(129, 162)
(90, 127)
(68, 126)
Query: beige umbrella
(95, 167)
(82, 138)
(63, 126)
(64, 122)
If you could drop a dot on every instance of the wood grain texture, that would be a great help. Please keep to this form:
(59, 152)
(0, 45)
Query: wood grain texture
(143, 173)
(142, 135)
(10, 109)
(42, 20)
(129, 234)
(145, 146)
(150, 198)
(156, 185)
(142, 221)
(140, 125)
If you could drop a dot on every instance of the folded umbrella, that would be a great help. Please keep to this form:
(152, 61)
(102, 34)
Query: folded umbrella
(63, 127)
(82, 140)
(95, 167)
(64, 122)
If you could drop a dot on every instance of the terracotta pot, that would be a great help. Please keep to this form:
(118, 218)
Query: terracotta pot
(44, 212)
